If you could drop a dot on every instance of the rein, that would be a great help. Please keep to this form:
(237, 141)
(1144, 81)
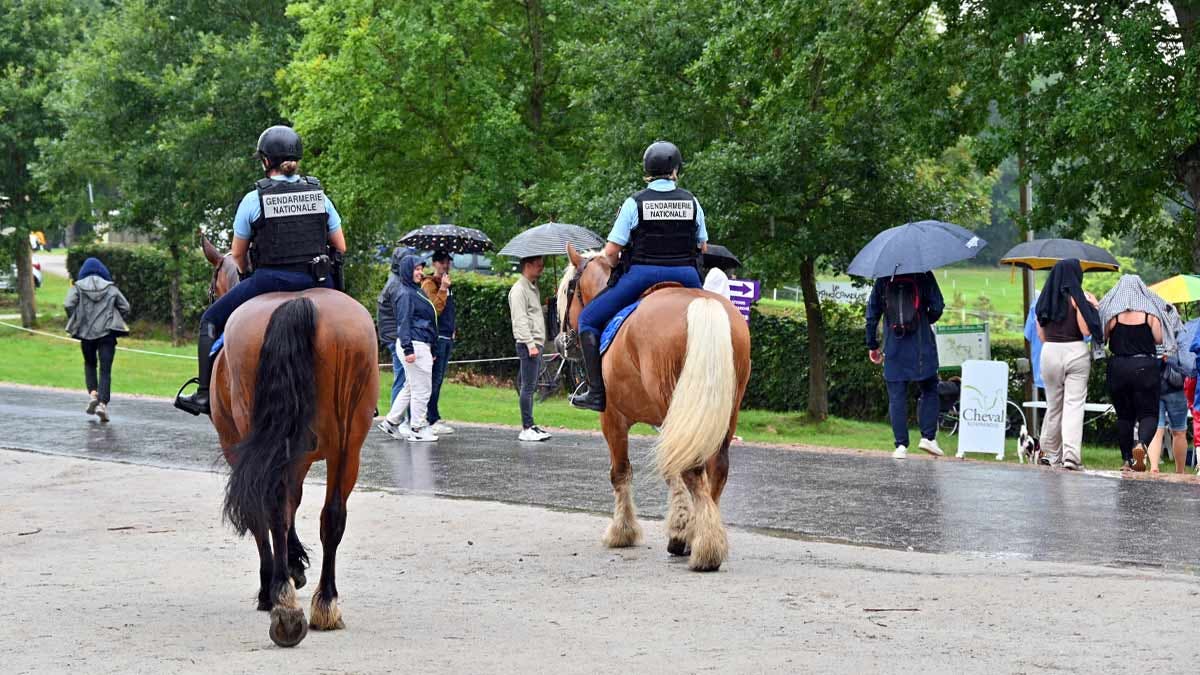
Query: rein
(212, 284)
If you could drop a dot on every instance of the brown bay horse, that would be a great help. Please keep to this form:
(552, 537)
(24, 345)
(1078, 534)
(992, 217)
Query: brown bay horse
(297, 382)
(680, 362)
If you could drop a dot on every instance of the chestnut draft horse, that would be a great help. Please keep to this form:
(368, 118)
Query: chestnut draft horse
(296, 382)
(680, 362)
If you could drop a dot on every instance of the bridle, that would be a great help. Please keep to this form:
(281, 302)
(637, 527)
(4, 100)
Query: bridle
(212, 284)
(568, 337)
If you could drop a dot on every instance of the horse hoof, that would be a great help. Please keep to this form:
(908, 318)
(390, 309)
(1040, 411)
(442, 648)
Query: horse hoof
(288, 627)
(622, 534)
(326, 615)
(678, 547)
(298, 577)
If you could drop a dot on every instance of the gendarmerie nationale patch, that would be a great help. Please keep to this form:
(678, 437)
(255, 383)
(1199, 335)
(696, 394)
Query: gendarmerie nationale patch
(293, 204)
(668, 209)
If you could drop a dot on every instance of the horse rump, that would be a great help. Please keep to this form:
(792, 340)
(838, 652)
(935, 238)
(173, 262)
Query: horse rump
(263, 467)
(698, 417)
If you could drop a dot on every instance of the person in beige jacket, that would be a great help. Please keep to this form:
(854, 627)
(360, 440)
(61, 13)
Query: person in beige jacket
(529, 331)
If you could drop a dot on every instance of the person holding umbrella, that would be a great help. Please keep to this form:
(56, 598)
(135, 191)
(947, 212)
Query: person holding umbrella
(437, 287)
(906, 297)
(1066, 316)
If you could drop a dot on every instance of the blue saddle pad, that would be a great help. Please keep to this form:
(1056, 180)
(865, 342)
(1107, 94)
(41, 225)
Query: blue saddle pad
(614, 325)
(220, 342)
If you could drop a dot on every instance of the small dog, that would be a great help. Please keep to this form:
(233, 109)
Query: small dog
(1029, 448)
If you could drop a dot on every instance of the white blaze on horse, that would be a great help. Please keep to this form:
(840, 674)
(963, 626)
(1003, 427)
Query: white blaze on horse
(680, 362)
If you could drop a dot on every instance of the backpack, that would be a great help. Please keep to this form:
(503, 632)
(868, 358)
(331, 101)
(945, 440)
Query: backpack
(902, 304)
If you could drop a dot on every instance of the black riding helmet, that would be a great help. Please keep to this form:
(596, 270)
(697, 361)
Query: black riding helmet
(279, 144)
(661, 158)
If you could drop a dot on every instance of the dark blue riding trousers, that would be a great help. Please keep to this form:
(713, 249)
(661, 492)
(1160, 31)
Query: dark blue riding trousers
(262, 281)
(629, 288)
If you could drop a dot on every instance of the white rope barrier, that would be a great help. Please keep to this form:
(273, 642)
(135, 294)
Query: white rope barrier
(386, 366)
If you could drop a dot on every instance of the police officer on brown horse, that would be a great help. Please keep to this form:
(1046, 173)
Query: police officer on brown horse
(659, 234)
(287, 236)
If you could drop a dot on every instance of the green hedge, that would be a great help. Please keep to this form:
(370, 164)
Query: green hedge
(144, 275)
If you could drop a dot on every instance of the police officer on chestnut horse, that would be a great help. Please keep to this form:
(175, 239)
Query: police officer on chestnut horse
(659, 234)
(287, 236)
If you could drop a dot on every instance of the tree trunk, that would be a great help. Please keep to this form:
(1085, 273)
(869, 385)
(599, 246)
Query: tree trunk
(25, 288)
(818, 387)
(177, 328)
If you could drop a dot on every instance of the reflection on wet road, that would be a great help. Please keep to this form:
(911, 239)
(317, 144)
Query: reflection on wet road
(867, 499)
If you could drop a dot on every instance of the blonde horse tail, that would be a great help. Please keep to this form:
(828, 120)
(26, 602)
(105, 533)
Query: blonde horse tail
(702, 403)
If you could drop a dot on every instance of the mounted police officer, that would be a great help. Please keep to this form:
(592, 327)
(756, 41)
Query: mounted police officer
(287, 236)
(659, 234)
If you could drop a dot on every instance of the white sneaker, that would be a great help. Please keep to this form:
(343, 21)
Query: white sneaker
(400, 432)
(901, 452)
(422, 435)
(931, 447)
(441, 428)
(532, 434)
(102, 412)
(541, 432)
(91, 409)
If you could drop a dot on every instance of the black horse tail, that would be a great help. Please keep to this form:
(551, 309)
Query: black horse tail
(263, 475)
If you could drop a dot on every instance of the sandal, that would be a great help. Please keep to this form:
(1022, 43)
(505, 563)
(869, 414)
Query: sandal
(1139, 458)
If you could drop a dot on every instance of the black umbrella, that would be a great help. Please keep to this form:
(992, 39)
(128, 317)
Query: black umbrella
(449, 238)
(551, 239)
(1042, 254)
(719, 256)
(915, 247)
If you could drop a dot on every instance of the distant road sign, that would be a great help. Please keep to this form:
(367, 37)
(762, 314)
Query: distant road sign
(743, 293)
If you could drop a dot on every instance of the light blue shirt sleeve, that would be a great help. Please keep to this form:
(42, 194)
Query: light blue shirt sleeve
(626, 221)
(701, 230)
(249, 211)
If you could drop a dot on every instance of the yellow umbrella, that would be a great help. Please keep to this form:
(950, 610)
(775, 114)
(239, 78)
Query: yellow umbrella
(1179, 288)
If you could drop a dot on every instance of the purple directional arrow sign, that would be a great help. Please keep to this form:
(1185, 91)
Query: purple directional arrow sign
(743, 293)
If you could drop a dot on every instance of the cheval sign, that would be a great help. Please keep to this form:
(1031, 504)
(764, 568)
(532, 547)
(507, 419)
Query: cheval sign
(983, 408)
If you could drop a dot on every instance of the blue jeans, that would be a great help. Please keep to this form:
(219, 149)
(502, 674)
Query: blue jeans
(629, 288)
(262, 281)
(441, 359)
(397, 371)
(927, 409)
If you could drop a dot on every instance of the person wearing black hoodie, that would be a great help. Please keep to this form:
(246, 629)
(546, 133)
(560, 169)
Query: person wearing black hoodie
(416, 332)
(1066, 316)
(96, 311)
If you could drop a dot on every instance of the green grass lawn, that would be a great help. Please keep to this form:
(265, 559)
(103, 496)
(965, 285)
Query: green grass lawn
(44, 361)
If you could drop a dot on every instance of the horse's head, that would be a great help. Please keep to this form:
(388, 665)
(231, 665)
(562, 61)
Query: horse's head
(225, 271)
(585, 278)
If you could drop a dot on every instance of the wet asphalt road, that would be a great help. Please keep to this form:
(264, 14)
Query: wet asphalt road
(943, 506)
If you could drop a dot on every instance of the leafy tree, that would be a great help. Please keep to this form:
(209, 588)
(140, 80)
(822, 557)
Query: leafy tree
(169, 97)
(35, 35)
(433, 111)
(810, 127)
(1102, 100)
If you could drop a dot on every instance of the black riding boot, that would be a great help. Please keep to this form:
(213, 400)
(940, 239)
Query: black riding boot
(593, 398)
(197, 403)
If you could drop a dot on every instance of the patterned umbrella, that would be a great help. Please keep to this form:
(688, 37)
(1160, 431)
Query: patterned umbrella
(1179, 288)
(449, 238)
(551, 239)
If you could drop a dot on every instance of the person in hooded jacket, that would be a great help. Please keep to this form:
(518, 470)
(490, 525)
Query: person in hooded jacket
(96, 311)
(385, 317)
(416, 333)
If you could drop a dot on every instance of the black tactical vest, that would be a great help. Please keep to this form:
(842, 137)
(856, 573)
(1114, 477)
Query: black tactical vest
(293, 227)
(666, 229)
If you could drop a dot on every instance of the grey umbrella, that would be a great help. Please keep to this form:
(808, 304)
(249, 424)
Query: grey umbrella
(551, 239)
(915, 247)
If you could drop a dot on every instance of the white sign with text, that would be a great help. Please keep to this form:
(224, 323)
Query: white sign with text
(983, 408)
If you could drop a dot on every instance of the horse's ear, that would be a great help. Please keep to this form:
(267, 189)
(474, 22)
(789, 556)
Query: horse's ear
(573, 255)
(210, 252)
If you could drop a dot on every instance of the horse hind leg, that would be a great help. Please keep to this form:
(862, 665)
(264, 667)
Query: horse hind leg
(297, 553)
(288, 625)
(324, 611)
(679, 517)
(624, 530)
(265, 565)
(710, 546)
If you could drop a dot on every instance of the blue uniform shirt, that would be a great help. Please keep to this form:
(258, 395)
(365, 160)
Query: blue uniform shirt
(627, 219)
(250, 209)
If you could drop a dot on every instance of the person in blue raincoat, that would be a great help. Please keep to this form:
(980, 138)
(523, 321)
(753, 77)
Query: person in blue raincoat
(909, 351)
